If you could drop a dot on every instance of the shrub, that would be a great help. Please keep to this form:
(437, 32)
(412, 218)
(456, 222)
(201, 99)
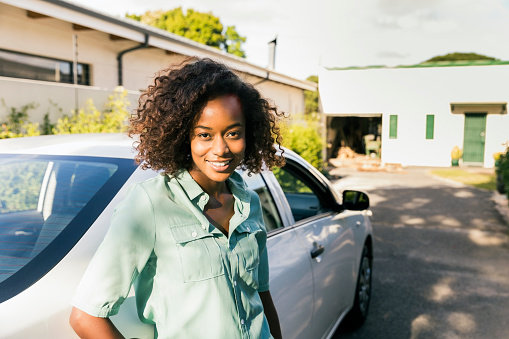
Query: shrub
(302, 135)
(502, 171)
(90, 120)
(18, 124)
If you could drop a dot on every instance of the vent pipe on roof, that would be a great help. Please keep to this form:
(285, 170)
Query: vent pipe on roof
(272, 54)
(121, 54)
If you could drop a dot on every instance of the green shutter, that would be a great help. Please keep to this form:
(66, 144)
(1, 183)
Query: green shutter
(430, 126)
(393, 127)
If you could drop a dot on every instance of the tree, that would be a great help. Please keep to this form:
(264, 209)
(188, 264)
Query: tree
(460, 57)
(204, 28)
(311, 98)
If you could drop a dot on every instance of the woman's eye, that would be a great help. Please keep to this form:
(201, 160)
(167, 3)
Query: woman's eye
(203, 135)
(234, 134)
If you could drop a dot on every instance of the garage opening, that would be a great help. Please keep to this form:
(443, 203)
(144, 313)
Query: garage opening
(360, 135)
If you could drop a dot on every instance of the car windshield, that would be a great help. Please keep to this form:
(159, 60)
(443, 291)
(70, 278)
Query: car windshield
(47, 198)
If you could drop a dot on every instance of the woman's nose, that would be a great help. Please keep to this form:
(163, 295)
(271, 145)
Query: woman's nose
(219, 146)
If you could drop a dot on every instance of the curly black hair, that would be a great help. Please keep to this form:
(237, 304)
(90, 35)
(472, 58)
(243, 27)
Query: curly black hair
(167, 111)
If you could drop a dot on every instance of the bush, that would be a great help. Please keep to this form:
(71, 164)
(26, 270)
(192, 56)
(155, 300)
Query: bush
(87, 120)
(502, 171)
(18, 124)
(302, 134)
(91, 120)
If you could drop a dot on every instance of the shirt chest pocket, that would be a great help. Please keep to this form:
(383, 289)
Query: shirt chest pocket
(249, 253)
(199, 253)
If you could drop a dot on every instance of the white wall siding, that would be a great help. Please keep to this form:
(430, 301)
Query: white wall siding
(411, 94)
(19, 92)
(53, 37)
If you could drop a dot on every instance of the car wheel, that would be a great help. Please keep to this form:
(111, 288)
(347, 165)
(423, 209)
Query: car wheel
(359, 311)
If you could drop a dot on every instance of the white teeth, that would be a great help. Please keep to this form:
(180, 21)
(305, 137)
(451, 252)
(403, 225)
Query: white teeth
(220, 164)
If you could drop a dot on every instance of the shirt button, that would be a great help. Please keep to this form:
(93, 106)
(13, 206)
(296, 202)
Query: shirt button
(194, 234)
(242, 321)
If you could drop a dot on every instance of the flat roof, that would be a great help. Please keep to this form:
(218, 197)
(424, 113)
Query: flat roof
(461, 63)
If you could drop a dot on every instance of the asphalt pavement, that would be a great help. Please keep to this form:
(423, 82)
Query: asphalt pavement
(441, 266)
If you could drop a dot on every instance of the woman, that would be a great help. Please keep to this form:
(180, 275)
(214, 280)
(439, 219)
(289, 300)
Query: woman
(192, 240)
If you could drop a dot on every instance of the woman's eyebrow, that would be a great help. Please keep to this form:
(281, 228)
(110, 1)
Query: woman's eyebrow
(238, 124)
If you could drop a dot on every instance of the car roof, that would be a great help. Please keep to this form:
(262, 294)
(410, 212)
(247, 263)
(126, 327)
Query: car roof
(111, 145)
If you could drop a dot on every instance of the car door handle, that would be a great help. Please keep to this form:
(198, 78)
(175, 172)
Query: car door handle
(317, 250)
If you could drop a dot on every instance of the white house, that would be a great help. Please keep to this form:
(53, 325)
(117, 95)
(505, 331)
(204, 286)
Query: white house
(47, 46)
(419, 113)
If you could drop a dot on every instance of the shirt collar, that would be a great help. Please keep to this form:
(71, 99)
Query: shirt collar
(189, 185)
(235, 182)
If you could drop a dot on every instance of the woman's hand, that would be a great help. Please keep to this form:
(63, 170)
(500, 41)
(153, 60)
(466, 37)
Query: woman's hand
(87, 326)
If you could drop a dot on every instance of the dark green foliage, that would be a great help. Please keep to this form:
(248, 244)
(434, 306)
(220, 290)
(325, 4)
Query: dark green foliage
(302, 134)
(47, 126)
(459, 57)
(204, 28)
(502, 171)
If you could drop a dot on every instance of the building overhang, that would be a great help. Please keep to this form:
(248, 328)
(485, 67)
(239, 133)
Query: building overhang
(356, 114)
(479, 107)
(126, 29)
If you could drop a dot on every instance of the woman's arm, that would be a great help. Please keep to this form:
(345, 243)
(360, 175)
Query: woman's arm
(87, 326)
(271, 314)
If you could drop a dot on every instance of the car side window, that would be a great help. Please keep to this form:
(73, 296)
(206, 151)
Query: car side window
(270, 213)
(38, 200)
(300, 194)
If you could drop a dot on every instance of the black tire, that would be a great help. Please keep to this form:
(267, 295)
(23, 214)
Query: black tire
(359, 312)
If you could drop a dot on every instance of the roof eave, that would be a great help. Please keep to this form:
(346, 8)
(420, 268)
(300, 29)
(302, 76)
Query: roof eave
(135, 31)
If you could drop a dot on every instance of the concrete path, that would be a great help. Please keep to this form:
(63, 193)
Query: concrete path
(441, 267)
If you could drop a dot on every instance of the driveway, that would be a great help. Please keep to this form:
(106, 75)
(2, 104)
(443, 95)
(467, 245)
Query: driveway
(441, 267)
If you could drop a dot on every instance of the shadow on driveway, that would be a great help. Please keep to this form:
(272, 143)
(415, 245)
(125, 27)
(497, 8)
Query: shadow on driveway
(441, 267)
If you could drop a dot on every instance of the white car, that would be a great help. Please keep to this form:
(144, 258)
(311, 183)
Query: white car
(57, 194)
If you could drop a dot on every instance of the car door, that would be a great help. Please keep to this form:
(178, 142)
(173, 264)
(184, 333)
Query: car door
(328, 238)
(291, 280)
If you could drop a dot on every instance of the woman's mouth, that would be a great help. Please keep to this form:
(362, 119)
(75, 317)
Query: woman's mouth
(219, 165)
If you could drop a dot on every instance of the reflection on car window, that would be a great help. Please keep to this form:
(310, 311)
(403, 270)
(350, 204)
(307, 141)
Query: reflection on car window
(270, 214)
(38, 199)
(303, 202)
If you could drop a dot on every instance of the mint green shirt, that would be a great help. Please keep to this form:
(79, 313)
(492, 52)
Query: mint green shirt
(190, 280)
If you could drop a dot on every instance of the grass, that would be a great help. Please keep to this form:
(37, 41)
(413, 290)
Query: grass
(479, 180)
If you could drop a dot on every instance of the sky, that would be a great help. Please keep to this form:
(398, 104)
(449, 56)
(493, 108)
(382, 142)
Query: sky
(312, 34)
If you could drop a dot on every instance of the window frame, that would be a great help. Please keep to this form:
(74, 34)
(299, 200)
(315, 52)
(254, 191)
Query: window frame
(83, 78)
(321, 189)
(270, 193)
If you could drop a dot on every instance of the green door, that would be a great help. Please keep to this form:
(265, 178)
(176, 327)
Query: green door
(474, 138)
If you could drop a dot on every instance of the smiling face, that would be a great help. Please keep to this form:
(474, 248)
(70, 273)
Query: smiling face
(217, 141)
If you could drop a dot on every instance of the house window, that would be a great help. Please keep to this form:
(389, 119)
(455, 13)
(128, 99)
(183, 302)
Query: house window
(430, 126)
(27, 66)
(393, 127)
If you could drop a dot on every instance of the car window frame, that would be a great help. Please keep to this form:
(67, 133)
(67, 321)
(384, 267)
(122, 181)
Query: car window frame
(55, 251)
(310, 176)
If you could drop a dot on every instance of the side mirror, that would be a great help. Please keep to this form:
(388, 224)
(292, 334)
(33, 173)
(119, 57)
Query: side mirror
(355, 200)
